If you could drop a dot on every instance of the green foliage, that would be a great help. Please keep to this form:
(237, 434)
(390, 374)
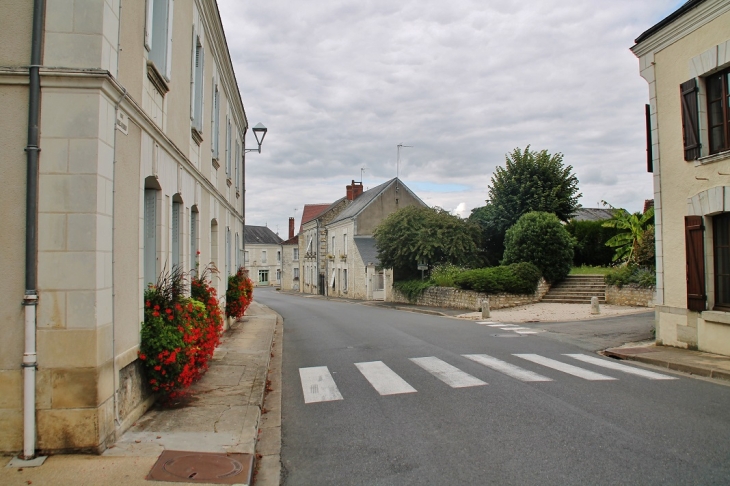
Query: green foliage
(412, 289)
(443, 275)
(631, 229)
(540, 238)
(519, 278)
(588, 270)
(416, 233)
(631, 275)
(645, 254)
(239, 294)
(529, 181)
(590, 242)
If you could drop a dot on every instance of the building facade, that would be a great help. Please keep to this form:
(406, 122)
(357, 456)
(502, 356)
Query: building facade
(290, 269)
(142, 135)
(685, 59)
(262, 256)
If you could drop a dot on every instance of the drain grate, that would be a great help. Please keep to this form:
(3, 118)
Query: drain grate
(203, 467)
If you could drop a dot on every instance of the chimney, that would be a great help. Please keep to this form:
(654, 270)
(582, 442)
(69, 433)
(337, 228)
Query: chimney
(354, 190)
(291, 228)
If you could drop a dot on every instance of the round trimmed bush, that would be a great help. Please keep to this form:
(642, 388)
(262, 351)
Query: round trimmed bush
(541, 239)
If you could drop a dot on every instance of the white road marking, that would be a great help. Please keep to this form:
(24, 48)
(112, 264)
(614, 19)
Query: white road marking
(526, 332)
(485, 322)
(318, 385)
(564, 367)
(384, 380)
(621, 367)
(506, 368)
(520, 328)
(450, 375)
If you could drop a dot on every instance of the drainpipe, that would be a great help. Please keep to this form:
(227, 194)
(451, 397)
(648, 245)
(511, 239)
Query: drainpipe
(30, 299)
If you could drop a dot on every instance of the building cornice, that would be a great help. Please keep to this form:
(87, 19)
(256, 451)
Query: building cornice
(682, 26)
(105, 82)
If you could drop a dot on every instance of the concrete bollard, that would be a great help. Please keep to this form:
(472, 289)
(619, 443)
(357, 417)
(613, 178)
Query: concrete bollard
(485, 309)
(595, 309)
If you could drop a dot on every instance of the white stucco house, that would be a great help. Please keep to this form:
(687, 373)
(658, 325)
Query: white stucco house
(262, 255)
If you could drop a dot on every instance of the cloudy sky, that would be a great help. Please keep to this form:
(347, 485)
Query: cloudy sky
(340, 84)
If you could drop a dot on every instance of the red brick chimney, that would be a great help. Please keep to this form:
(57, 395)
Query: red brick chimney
(354, 190)
(291, 228)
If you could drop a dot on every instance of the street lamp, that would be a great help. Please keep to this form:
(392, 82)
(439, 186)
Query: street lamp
(259, 129)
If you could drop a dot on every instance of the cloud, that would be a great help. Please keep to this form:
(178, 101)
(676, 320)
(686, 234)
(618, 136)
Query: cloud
(340, 84)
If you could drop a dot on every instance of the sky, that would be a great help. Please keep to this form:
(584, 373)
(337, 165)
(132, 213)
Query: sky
(339, 84)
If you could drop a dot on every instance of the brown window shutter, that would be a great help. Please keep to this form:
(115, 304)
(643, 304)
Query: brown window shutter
(649, 156)
(694, 241)
(690, 119)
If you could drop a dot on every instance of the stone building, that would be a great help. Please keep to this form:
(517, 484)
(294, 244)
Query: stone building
(290, 270)
(685, 59)
(142, 135)
(262, 255)
(351, 264)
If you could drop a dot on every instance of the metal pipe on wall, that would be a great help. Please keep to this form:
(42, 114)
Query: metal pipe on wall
(30, 299)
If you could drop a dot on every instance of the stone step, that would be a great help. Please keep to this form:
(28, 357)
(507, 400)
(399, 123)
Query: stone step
(570, 301)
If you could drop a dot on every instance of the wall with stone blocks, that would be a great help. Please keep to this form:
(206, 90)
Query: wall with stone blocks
(629, 295)
(467, 299)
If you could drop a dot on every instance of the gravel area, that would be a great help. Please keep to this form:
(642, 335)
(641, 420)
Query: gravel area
(545, 312)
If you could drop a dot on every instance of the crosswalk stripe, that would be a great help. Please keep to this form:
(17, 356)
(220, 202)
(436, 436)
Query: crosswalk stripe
(506, 368)
(384, 380)
(621, 367)
(450, 375)
(318, 385)
(485, 322)
(564, 367)
(520, 328)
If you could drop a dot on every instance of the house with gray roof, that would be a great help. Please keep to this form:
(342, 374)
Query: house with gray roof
(262, 255)
(351, 266)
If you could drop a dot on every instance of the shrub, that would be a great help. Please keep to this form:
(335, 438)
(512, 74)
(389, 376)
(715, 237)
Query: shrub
(519, 278)
(412, 289)
(540, 238)
(590, 243)
(444, 275)
(642, 277)
(239, 294)
(179, 334)
(645, 250)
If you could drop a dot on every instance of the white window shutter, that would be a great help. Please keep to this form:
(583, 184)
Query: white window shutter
(148, 25)
(168, 57)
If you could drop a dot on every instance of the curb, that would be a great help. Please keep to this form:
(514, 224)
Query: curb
(684, 368)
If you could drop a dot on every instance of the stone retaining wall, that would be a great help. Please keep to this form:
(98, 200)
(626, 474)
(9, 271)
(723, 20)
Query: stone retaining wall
(630, 295)
(467, 299)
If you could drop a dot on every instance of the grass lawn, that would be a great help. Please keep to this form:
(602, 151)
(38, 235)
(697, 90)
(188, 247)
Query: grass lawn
(585, 270)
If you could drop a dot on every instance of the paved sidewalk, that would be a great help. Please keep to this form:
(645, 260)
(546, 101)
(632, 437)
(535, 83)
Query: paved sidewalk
(695, 362)
(222, 414)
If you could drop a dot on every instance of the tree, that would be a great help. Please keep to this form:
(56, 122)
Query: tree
(541, 239)
(413, 234)
(590, 242)
(529, 181)
(632, 228)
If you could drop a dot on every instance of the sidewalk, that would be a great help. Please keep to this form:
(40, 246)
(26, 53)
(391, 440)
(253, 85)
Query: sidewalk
(685, 360)
(222, 414)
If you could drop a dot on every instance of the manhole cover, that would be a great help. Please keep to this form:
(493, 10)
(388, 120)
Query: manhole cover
(204, 467)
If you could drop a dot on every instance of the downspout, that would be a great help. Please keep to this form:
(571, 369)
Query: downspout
(30, 299)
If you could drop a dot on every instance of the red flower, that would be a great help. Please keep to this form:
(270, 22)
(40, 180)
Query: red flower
(147, 304)
(142, 356)
(156, 314)
(169, 311)
(158, 368)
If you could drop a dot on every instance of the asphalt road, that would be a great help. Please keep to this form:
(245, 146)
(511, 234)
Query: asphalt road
(569, 430)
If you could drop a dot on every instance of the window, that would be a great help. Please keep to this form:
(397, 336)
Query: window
(721, 242)
(718, 112)
(193, 237)
(238, 165)
(296, 254)
(214, 242)
(263, 276)
(150, 236)
(344, 280)
(344, 243)
(333, 245)
(158, 35)
(278, 275)
(278, 257)
(215, 116)
(238, 254)
(176, 246)
(196, 108)
(296, 273)
(228, 148)
(309, 245)
(228, 252)
(245, 256)
(263, 256)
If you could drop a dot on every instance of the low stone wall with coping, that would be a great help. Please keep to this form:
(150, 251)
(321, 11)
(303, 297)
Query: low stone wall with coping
(454, 298)
(630, 295)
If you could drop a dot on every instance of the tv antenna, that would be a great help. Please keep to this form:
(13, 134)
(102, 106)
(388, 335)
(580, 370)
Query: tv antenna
(397, 160)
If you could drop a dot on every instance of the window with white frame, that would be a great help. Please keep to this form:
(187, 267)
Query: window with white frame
(238, 255)
(263, 256)
(228, 148)
(193, 237)
(278, 275)
(344, 280)
(344, 243)
(333, 245)
(263, 276)
(228, 252)
(245, 256)
(196, 106)
(176, 239)
(215, 122)
(295, 273)
(309, 245)
(278, 257)
(158, 35)
(150, 236)
(296, 254)
(238, 166)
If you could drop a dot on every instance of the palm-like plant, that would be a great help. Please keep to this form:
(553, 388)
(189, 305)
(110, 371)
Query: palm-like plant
(634, 226)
